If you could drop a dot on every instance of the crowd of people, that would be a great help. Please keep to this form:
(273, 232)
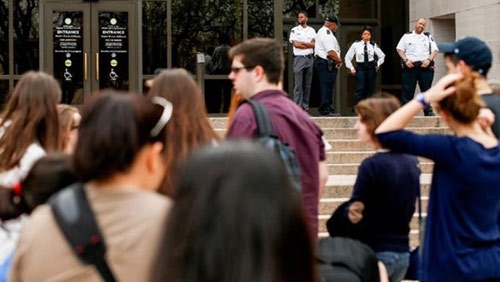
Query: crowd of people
(173, 201)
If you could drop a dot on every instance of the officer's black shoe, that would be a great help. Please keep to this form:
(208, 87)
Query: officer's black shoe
(429, 114)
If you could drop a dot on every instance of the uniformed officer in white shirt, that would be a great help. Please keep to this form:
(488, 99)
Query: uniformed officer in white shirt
(328, 61)
(417, 50)
(369, 57)
(302, 38)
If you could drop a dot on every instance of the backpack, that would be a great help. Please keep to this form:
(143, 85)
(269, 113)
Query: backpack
(269, 139)
(77, 222)
(344, 259)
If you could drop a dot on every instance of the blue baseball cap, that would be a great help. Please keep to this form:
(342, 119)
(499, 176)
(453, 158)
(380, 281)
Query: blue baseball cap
(473, 51)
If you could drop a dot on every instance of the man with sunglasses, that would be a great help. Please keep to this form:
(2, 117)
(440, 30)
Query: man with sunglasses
(256, 73)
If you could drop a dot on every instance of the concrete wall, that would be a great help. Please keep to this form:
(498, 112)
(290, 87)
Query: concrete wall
(449, 20)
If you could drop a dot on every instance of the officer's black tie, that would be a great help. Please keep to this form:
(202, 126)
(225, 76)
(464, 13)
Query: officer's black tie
(366, 53)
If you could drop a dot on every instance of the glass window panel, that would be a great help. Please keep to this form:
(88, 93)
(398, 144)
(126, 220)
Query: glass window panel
(292, 7)
(4, 39)
(260, 18)
(154, 34)
(198, 26)
(26, 31)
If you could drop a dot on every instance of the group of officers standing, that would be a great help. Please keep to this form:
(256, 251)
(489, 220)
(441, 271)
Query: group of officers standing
(417, 50)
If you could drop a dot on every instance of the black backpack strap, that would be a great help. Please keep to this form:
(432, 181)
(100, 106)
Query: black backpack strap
(264, 126)
(77, 222)
(429, 38)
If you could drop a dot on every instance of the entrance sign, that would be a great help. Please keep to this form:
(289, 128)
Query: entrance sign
(68, 52)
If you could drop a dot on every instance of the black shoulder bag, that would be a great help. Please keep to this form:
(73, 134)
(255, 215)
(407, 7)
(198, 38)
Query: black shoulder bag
(77, 222)
(269, 139)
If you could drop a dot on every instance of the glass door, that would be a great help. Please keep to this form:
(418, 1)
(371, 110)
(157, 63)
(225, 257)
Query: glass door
(88, 46)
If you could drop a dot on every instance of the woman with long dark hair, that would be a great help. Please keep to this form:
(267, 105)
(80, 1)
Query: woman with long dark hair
(189, 128)
(29, 129)
(119, 159)
(236, 218)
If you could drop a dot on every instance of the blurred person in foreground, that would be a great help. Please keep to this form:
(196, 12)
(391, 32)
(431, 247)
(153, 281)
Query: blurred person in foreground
(472, 55)
(119, 159)
(462, 234)
(29, 129)
(236, 218)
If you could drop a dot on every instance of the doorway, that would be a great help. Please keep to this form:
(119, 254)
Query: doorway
(90, 46)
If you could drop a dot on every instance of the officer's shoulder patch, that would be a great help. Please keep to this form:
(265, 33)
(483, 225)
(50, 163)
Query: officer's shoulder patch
(293, 30)
(328, 31)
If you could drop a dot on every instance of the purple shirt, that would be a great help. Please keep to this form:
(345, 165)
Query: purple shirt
(293, 126)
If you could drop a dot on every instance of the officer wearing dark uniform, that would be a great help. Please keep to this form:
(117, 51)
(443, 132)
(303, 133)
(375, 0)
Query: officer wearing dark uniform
(417, 50)
(369, 57)
(328, 61)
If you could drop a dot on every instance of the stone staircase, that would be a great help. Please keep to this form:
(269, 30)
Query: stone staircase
(346, 155)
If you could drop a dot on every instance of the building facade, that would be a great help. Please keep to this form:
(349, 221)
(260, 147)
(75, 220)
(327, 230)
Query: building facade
(93, 44)
(448, 20)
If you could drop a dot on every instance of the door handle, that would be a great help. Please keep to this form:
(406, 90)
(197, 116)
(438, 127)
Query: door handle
(85, 66)
(97, 66)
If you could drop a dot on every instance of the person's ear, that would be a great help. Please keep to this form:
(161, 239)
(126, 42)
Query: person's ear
(445, 115)
(154, 160)
(463, 67)
(260, 73)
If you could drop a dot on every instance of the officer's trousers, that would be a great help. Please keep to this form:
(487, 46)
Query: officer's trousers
(303, 70)
(365, 80)
(327, 81)
(422, 76)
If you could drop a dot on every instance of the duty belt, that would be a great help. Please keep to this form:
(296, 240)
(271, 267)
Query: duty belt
(304, 56)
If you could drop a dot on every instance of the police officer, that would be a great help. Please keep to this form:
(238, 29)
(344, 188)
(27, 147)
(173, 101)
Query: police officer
(327, 63)
(417, 50)
(369, 57)
(302, 38)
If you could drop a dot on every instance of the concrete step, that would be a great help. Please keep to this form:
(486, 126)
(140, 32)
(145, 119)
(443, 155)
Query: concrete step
(345, 157)
(349, 145)
(345, 191)
(352, 168)
(334, 133)
(348, 122)
(344, 122)
(345, 180)
(347, 139)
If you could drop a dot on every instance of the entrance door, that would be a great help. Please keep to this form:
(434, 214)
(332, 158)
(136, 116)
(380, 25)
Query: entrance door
(88, 46)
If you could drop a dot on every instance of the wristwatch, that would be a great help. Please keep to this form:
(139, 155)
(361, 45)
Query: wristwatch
(421, 99)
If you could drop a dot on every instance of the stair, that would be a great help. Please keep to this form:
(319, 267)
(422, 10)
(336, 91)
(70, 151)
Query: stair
(346, 155)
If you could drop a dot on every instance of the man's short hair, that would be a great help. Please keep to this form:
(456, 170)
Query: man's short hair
(473, 51)
(304, 13)
(264, 52)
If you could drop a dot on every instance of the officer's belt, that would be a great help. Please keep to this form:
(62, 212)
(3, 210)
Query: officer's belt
(305, 56)
(369, 64)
